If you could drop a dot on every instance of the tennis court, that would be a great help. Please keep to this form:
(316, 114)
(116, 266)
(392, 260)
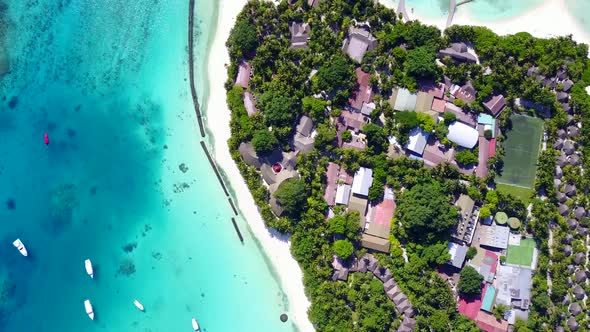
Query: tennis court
(521, 150)
(521, 254)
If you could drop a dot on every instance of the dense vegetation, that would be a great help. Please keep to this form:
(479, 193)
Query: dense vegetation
(285, 87)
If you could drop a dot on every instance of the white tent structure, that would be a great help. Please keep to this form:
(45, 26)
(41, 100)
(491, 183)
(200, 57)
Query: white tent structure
(463, 135)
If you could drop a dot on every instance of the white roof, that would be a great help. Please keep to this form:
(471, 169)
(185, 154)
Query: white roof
(343, 194)
(405, 100)
(494, 236)
(463, 134)
(368, 108)
(458, 253)
(363, 179)
(417, 141)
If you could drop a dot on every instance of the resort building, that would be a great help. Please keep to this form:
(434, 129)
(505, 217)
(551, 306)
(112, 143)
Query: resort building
(417, 142)
(313, 3)
(249, 103)
(403, 100)
(359, 41)
(466, 93)
(376, 237)
(299, 35)
(303, 140)
(458, 52)
(495, 105)
(494, 236)
(458, 253)
(467, 222)
(514, 286)
(363, 94)
(488, 323)
(463, 135)
(466, 117)
(331, 183)
(244, 73)
(363, 179)
(343, 194)
(249, 155)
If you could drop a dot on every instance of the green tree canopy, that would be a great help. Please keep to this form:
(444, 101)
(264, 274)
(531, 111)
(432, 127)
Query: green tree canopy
(264, 141)
(343, 249)
(470, 281)
(425, 212)
(421, 63)
(466, 158)
(242, 39)
(376, 137)
(335, 75)
(278, 106)
(346, 225)
(316, 108)
(292, 195)
(325, 137)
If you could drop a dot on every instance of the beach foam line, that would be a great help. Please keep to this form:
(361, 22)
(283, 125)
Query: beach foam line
(191, 66)
(275, 246)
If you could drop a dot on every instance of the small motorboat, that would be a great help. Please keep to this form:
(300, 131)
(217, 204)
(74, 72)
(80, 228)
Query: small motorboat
(18, 244)
(88, 307)
(89, 269)
(46, 138)
(196, 325)
(138, 305)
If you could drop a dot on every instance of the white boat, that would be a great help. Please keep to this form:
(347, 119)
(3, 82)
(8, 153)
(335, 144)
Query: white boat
(88, 308)
(195, 325)
(21, 247)
(89, 269)
(138, 305)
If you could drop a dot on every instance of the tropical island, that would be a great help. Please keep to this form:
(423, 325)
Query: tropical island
(430, 180)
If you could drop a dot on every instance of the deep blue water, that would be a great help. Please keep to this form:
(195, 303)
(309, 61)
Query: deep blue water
(107, 80)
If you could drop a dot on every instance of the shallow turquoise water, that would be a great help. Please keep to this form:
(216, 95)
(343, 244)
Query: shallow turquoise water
(107, 80)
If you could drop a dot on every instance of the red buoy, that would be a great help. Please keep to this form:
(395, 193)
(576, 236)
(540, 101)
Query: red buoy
(46, 138)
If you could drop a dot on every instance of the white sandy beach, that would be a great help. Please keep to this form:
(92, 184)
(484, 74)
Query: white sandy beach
(550, 19)
(218, 117)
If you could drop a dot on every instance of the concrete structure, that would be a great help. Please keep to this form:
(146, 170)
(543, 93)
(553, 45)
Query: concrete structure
(359, 41)
(467, 222)
(463, 135)
(494, 236)
(514, 286)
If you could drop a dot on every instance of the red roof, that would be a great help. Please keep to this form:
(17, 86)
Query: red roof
(484, 156)
(438, 105)
(489, 323)
(491, 259)
(384, 212)
(332, 179)
(470, 307)
(364, 94)
(492, 147)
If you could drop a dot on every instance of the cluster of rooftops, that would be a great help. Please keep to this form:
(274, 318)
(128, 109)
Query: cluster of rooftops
(504, 283)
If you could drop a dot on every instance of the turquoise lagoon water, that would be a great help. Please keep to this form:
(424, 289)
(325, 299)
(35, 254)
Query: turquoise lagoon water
(107, 80)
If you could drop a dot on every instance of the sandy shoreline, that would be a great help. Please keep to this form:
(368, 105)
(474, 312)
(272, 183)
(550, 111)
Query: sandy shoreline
(217, 120)
(550, 19)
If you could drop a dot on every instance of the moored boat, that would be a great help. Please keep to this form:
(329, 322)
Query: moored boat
(89, 269)
(18, 244)
(138, 305)
(195, 325)
(88, 307)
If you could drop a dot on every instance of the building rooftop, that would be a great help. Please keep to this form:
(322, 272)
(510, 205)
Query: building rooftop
(462, 115)
(358, 204)
(305, 126)
(467, 223)
(417, 141)
(403, 100)
(244, 72)
(514, 283)
(364, 93)
(343, 194)
(458, 52)
(249, 103)
(359, 41)
(458, 253)
(494, 236)
(495, 104)
(463, 135)
(299, 35)
(424, 102)
(438, 105)
(331, 182)
(489, 323)
(363, 179)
